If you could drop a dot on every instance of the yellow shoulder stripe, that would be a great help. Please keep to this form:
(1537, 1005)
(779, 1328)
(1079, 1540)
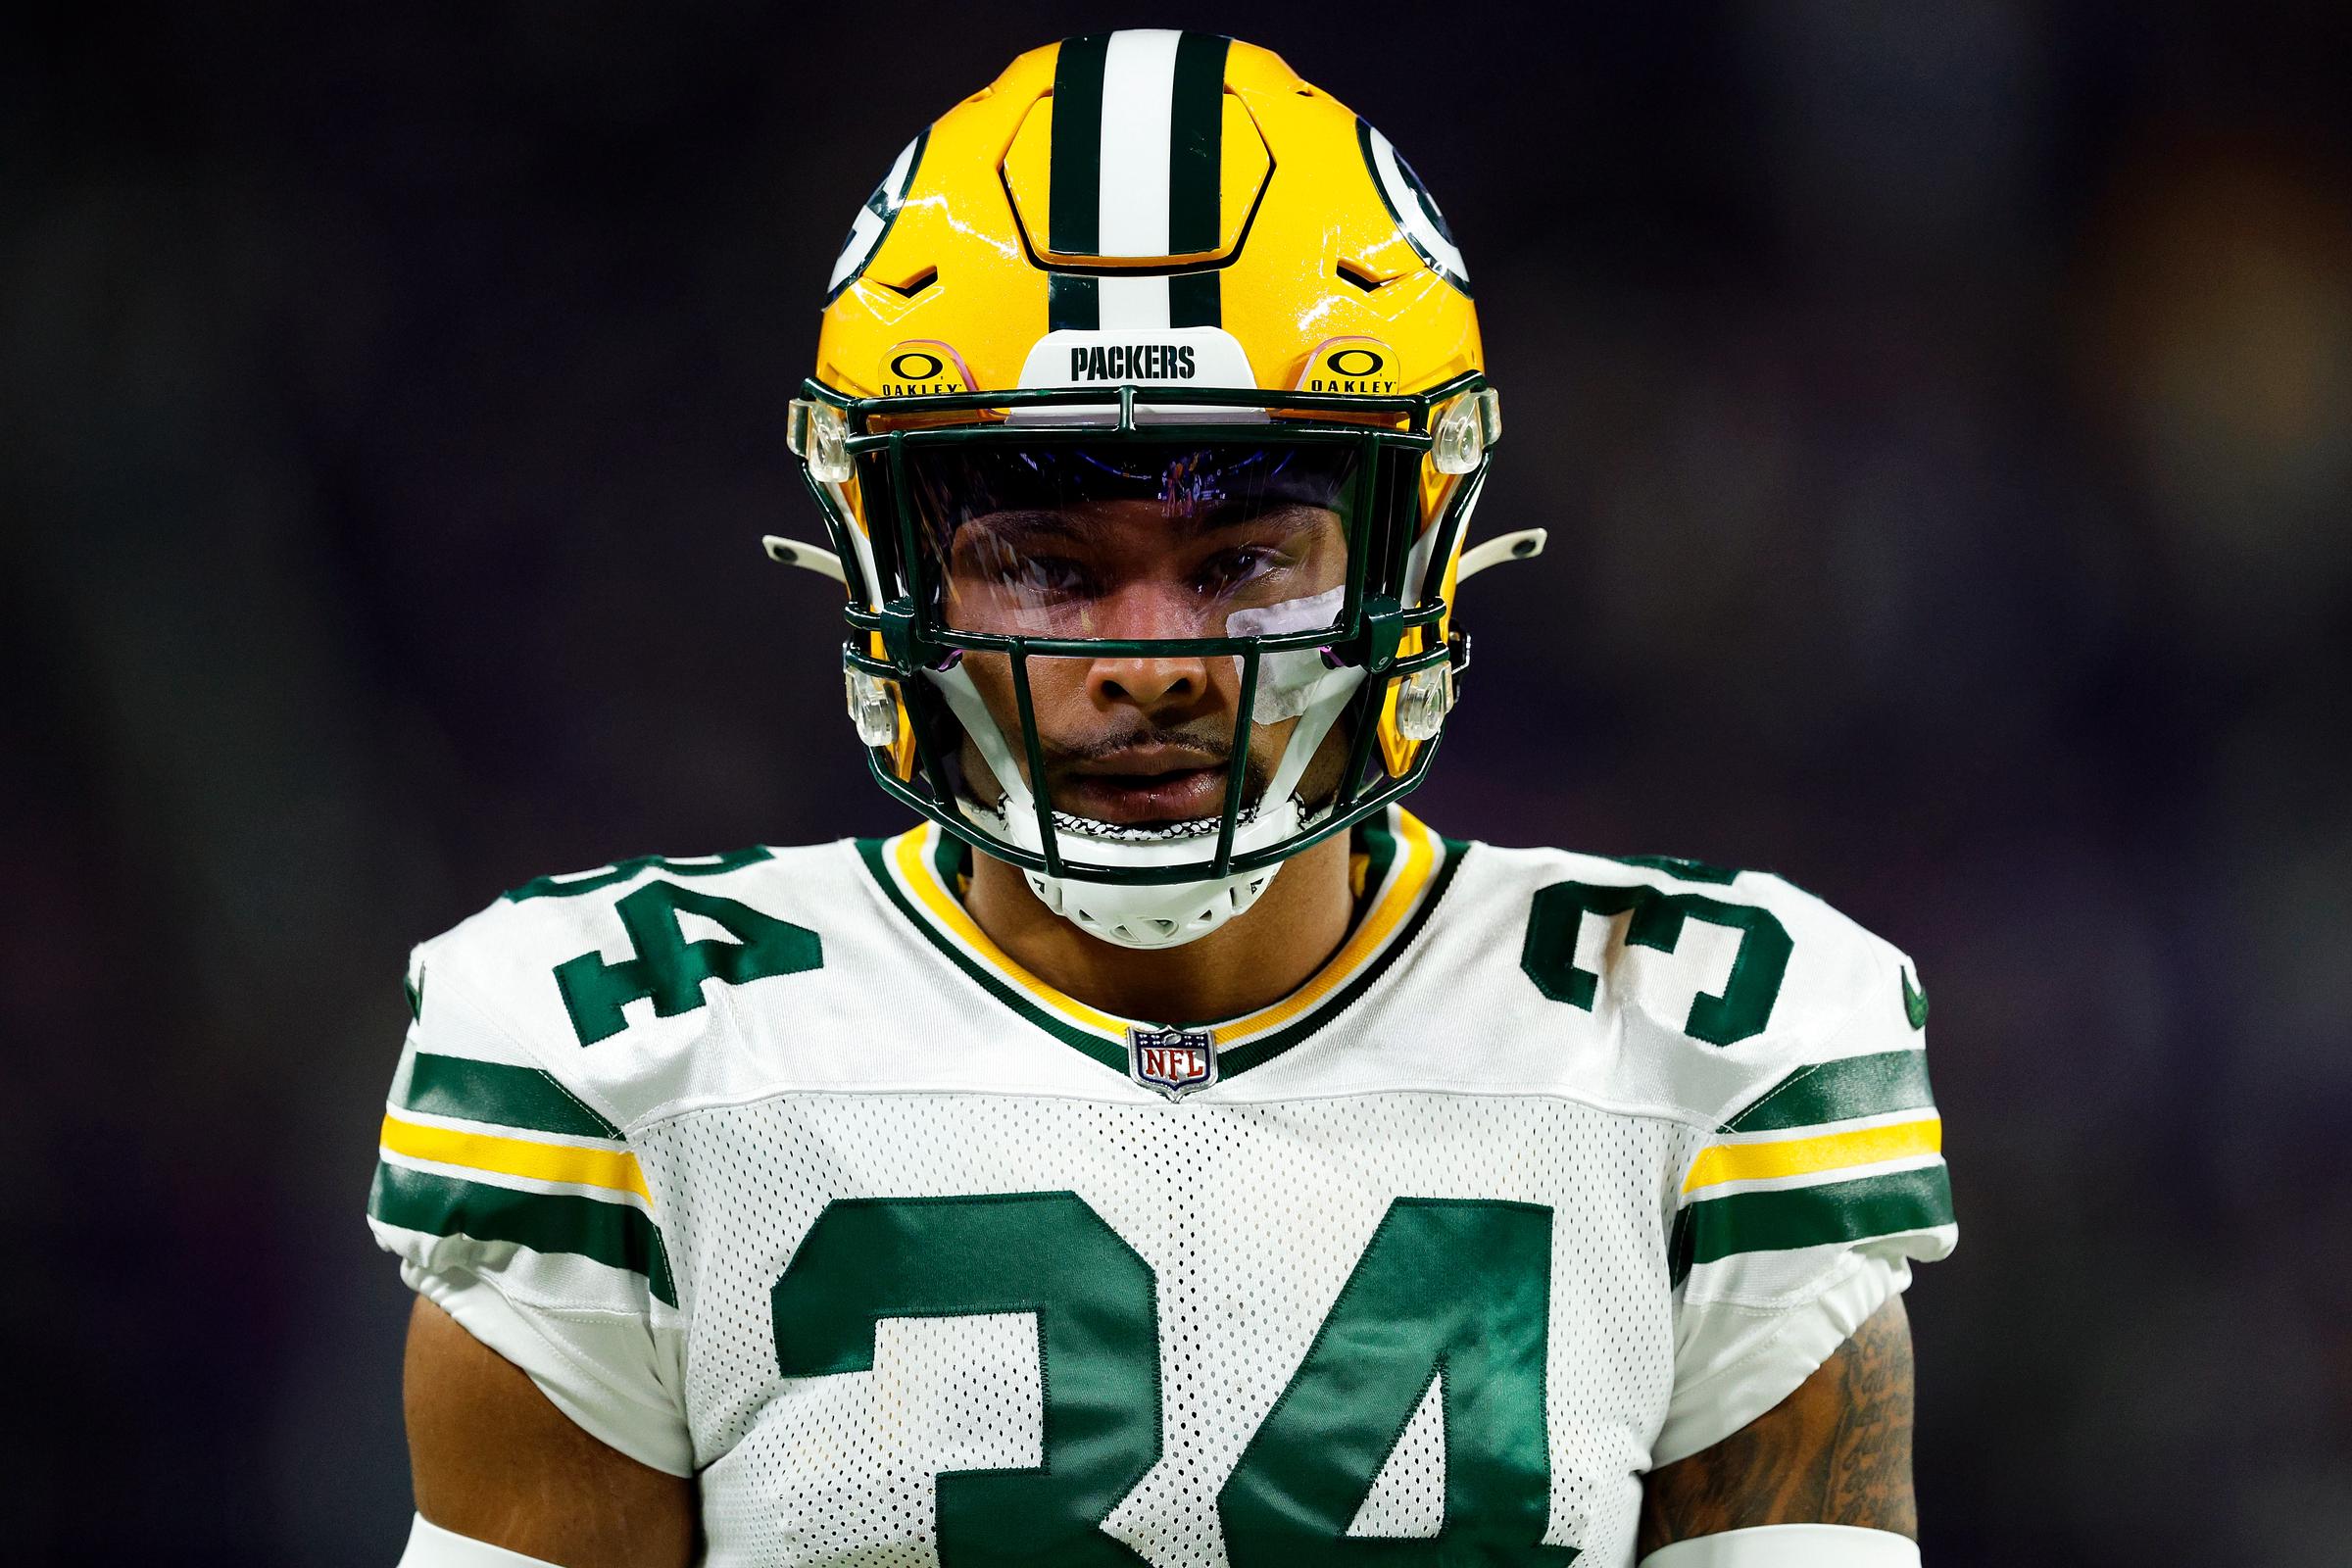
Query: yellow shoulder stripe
(1800, 1156)
(614, 1168)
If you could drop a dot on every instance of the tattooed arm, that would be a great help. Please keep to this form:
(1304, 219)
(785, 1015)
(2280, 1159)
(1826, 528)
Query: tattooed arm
(1836, 1452)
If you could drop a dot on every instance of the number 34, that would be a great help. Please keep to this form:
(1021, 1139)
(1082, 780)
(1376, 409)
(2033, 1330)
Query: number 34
(1454, 1290)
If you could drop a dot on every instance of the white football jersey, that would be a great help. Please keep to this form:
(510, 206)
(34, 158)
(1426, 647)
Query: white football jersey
(771, 1169)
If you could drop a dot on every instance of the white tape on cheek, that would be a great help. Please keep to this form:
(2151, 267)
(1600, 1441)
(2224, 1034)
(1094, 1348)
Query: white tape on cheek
(1286, 678)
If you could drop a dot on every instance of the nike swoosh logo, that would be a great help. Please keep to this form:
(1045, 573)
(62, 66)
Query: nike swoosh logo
(1914, 1003)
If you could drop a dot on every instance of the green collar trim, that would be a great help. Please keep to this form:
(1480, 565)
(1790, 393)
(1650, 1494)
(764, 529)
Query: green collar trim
(951, 861)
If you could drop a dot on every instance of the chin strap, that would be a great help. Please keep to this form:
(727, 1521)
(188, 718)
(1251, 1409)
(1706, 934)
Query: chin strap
(1791, 1547)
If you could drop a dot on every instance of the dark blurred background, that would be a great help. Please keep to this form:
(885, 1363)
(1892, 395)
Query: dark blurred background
(1942, 413)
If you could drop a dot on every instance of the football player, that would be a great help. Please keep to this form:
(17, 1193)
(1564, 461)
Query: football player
(1168, 1151)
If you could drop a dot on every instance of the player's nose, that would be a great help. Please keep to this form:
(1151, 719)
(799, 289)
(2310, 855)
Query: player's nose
(1151, 612)
(1149, 683)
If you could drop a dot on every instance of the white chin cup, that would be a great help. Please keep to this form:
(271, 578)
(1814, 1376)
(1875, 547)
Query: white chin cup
(1164, 915)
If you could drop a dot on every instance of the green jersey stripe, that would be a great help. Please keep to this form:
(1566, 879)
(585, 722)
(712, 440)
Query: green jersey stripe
(1378, 841)
(1073, 219)
(1809, 1217)
(524, 1097)
(1195, 144)
(617, 1235)
(1836, 1090)
(950, 858)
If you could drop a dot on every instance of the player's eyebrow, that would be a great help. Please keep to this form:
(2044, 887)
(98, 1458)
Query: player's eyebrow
(1015, 528)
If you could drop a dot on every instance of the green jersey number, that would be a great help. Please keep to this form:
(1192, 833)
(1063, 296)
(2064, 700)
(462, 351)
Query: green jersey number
(1741, 1009)
(669, 969)
(1448, 1291)
(1098, 1350)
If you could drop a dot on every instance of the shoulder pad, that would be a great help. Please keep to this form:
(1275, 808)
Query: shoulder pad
(1715, 985)
(610, 980)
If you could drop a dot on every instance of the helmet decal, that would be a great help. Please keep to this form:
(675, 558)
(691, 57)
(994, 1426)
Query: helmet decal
(873, 222)
(1136, 173)
(1414, 208)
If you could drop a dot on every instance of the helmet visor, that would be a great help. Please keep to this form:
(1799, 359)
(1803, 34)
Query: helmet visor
(1134, 540)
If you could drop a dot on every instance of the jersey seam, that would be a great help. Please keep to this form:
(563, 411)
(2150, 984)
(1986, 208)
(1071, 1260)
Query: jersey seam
(671, 1115)
(527, 1304)
(1855, 1266)
(513, 1038)
(1715, 1123)
(524, 1311)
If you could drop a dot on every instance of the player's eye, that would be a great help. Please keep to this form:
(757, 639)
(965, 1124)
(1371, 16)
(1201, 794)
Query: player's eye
(1041, 579)
(1231, 570)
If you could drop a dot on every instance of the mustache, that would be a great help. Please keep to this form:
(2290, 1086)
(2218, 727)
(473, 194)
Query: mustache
(1215, 745)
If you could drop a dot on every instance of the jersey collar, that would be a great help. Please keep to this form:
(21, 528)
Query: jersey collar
(1405, 870)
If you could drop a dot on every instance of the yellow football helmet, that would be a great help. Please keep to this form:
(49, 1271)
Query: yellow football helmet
(1150, 306)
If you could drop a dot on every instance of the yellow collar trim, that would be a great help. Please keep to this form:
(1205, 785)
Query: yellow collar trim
(910, 856)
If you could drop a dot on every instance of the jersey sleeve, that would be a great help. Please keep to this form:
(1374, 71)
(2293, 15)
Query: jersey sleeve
(521, 1210)
(1802, 1213)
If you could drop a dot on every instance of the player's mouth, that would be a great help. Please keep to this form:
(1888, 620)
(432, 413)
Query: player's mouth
(1147, 784)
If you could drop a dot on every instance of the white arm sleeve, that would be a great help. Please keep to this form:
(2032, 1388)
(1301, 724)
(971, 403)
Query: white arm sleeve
(522, 1212)
(1791, 1547)
(431, 1547)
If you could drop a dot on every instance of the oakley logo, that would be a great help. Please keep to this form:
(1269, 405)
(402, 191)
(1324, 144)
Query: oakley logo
(1360, 367)
(1133, 361)
(921, 368)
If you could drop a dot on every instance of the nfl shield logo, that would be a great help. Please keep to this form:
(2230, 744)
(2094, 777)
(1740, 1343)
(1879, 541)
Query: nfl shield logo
(1174, 1061)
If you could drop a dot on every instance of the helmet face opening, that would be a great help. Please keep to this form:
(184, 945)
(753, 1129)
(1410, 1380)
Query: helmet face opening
(1137, 652)
(1134, 540)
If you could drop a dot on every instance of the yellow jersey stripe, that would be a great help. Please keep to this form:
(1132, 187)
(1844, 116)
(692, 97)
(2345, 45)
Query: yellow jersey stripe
(1802, 1156)
(613, 1168)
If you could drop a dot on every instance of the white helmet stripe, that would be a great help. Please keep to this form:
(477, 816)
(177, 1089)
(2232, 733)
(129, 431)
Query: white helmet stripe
(1132, 304)
(1138, 95)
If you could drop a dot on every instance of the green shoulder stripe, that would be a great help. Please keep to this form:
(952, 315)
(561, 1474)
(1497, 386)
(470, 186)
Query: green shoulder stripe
(1836, 1091)
(1809, 1217)
(525, 1097)
(612, 1234)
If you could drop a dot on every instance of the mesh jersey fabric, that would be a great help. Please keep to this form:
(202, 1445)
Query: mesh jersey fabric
(636, 1206)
